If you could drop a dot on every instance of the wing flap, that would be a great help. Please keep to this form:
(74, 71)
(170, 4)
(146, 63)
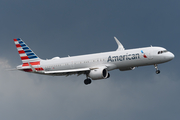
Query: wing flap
(73, 71)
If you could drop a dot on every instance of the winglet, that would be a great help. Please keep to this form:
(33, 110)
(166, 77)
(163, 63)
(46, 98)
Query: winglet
(120, 46)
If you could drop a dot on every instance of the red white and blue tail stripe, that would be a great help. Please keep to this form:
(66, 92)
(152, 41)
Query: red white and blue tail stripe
(26, 54)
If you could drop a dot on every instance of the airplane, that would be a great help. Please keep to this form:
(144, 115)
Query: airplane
(93, 66)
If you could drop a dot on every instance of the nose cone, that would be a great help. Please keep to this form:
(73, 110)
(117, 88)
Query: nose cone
(170, 56)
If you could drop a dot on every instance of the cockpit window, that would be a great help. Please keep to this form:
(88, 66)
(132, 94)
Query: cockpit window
(164, 51)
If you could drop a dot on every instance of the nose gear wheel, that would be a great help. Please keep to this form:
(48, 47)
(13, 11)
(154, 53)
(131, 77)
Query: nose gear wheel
(157, 70)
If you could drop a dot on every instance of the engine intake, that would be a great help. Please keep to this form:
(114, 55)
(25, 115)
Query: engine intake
(100, 73)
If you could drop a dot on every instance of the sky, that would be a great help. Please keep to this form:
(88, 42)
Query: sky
(66, 27)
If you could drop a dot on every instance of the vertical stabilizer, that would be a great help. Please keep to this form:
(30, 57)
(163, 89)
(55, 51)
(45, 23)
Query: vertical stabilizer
(26, 54)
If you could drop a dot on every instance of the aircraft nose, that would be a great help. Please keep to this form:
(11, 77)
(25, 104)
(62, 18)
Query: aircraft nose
(171, 56)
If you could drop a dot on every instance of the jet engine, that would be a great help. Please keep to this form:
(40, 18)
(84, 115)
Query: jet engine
(100, 73)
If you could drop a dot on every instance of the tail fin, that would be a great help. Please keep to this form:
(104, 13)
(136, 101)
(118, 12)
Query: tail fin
(26, 54)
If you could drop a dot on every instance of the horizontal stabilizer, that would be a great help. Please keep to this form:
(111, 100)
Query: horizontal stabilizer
(33, 69)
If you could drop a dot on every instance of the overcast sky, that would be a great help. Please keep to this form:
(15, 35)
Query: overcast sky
(75, 27)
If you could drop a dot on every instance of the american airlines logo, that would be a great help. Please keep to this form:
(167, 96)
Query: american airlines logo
(123, 57)
(143, 54)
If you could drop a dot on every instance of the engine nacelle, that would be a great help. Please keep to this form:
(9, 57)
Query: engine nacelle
(100, 73)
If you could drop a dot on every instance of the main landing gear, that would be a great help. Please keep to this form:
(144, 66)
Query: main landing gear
(157, 71)
(87, 81)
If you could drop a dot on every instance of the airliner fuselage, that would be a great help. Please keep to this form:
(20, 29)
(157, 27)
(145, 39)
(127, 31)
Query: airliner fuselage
(94, 66)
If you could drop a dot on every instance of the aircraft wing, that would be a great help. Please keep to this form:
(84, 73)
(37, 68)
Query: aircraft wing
(69, 72)
(66, 72)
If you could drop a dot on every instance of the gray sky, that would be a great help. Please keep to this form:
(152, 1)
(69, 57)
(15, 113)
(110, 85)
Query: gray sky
(64, 27)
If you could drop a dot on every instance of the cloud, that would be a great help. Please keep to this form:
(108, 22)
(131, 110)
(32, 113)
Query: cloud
(30, 96)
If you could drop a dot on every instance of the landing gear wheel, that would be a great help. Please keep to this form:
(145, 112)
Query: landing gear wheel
(156, 67)
(157, 71)
(87, 81)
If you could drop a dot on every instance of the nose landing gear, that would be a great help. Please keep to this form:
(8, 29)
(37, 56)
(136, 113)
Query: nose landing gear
(156, 67)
